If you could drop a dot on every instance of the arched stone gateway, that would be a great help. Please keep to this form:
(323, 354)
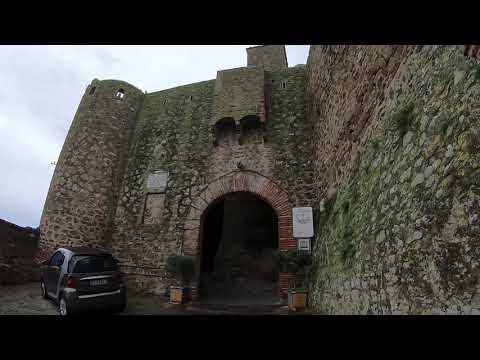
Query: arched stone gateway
(246, 181)
(238, 182)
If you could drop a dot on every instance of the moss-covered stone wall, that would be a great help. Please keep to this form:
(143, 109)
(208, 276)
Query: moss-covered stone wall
(85, 186)
(18, 246)
(239, 93)
(174, 134)
(399, 231)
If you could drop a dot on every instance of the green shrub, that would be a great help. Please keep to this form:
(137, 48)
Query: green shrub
(182, 267)
(473, 142)
(297, 262)
(285, 261)
(329, 205)
(347, 248)
(404, 119)
(477, 72)
(375, 145)
(293, 261)
(441, 124)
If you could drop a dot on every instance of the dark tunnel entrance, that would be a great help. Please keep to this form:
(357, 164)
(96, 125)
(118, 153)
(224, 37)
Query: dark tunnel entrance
(239, 243)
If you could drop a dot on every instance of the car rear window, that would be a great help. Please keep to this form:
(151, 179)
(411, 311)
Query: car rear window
(92, 264)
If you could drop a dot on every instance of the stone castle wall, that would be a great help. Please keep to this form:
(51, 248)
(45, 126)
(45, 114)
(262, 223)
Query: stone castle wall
(85, 185)
(398, 232)
(18, 246)
(347, 86)
(268, 57)
(239, 93)
(174, 135)
(382, 141)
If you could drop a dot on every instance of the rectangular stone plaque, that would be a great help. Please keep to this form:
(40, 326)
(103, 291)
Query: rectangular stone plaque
(302, 222)
(153, 209)
(157, 181)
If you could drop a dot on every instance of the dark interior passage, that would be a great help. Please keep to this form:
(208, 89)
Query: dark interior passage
(213, 225)
(239, 242)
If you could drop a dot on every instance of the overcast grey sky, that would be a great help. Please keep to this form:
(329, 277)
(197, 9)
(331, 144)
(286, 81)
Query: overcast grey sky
(41, 87)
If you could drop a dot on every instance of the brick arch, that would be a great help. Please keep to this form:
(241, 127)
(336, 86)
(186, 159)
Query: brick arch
(248, 181)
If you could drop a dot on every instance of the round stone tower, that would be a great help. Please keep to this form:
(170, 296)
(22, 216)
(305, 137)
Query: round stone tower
(83, 191)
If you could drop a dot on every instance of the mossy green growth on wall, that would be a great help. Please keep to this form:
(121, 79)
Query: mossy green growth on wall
(410, 243)
(404, 118)
(336, 224)
(172, 135)
(477, 72)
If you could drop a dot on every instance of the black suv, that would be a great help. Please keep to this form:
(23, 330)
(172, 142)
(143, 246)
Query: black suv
(83, 279)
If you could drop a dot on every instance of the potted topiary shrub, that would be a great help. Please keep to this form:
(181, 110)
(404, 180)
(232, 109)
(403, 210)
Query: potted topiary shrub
(183, 269)
(287, 269)
(298, 291)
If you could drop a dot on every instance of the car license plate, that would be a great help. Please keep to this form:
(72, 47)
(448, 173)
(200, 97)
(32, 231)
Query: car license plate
(98, 282)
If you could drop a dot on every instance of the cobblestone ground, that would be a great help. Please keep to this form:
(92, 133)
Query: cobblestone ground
(26, 299)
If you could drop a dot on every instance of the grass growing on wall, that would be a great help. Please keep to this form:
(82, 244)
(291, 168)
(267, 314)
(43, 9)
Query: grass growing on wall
(477, 72)
(403, 119)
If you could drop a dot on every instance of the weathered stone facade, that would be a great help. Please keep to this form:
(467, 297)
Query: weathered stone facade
(397, 131)
(18, 247)
(382, 141)
(244, 131)
(85, 186)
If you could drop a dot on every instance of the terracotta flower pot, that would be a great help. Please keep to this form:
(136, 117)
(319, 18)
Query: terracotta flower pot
(176, 295)
(297, 299)
(285, 280)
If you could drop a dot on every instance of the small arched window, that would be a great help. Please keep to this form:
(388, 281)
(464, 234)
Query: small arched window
(92, 90)
(120, 93)
(251, 130)
(225, 130)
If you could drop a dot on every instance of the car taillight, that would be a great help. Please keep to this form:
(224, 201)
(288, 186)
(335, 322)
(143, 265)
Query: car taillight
(69, 281)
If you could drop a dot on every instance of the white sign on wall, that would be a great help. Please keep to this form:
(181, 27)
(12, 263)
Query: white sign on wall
(302, 222)
(157, 181)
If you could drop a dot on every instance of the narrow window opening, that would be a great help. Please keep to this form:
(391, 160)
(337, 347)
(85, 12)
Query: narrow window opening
(283, 84)
(92, 90)
(120, 93)
(190, 97)
(225, 132)
(164, 101)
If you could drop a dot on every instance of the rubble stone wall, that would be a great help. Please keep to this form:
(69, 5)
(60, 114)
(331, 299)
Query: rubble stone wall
(397, 179)
(18, 246)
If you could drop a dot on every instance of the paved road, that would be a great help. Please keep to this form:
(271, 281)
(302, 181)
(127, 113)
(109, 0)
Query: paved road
(26, 299)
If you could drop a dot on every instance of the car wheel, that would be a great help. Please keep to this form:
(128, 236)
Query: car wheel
(44, 289)
(63, 307)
